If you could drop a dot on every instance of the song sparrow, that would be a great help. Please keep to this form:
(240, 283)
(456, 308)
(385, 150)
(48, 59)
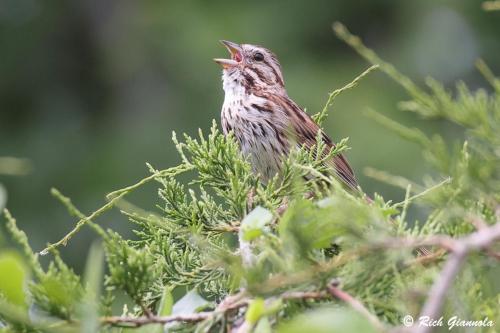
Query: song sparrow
(265, 121)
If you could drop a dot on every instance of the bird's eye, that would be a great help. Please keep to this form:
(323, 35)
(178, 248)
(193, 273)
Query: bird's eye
(258, 56)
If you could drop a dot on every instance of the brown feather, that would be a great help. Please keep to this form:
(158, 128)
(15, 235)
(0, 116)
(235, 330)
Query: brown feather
(265, 121)
(305, 132)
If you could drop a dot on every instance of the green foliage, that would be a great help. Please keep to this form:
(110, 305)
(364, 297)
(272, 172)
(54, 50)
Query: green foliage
(328, 320)
(58, 291)
(12, 278)
(223, 233)
(131, 269)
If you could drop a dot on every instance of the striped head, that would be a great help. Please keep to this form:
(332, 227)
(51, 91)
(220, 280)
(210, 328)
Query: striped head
(252, 68)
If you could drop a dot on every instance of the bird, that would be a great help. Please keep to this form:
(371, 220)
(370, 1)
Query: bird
(265, 121)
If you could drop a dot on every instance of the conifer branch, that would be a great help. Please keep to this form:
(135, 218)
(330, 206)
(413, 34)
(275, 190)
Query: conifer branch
(236, 301)
(114, 197)
(231, 302)
(321, 116)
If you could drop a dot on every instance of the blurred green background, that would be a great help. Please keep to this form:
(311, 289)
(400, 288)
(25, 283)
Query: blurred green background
(90, 90)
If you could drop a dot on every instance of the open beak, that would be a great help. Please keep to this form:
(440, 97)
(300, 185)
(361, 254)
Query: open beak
(236, 55)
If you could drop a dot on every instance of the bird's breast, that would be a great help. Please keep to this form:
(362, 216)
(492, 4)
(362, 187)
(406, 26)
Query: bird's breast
(258, 132)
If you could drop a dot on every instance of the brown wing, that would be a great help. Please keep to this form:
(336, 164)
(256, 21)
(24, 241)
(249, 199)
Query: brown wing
(306, 131)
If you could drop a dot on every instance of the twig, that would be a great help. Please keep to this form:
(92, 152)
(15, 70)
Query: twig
(424, 260)
(80, 224)
(224, 228)
(294, 295)
(443, 241)
(355, 304)
(321, 116)
(479, 224)
(432, 306)
(147, 312)
(231, 302)
(74, 211)
(144, 320)
(481, 239)
(425, 192)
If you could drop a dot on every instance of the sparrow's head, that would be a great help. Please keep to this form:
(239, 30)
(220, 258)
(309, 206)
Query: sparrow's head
(253, 66)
